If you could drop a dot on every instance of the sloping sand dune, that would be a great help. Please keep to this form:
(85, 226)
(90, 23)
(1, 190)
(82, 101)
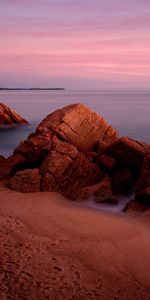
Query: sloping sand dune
(51, 248)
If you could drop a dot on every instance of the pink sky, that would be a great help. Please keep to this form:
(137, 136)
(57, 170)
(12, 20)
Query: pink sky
(86, 44)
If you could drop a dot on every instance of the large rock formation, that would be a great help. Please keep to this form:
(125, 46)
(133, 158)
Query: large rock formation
(9, 116)
(76, 152)
(62, 149)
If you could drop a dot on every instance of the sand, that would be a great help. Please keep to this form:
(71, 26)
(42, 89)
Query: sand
(51, 248)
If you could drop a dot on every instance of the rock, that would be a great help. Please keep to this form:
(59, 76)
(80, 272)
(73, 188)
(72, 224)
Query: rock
(142, 187)
(105, 194)
(25, 181)
(105, 162)
(135, 206)
(10, 117)
(67, 170)
(79, 126)
(35, 147)
(122, 182)
(62, 149)
(11, 165)
(128, 154)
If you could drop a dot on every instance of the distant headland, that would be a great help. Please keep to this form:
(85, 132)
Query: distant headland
(31, 89)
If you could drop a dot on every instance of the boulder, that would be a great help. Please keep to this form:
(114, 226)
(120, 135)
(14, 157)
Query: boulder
(67, 170)
(79, 126)
(101, 192)
(104, 194)
(35, 147)
(142, 187)
(122, 181)
(25, 181)
(9, 116)
(128, 154)
(11, 165)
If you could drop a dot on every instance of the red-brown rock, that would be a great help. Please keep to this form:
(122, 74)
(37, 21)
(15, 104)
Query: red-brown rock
(25, 181)
(35, 147)
(66, 170)
(128, 153)
(9, 116)
(62, 148)
(105, 193)
(79, 126)
(11, 165)
(106, 162)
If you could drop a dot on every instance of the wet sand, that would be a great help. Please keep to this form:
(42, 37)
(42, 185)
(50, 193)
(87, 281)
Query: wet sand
(54, 249)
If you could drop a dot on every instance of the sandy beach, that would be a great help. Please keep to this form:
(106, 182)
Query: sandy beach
(51, 248)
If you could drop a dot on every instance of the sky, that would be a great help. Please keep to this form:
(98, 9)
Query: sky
(75, 44)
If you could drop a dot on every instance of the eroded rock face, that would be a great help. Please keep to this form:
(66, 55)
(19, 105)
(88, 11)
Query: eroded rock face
(142, 188)
(9, 116)
(79, 126)
(26, 181)
(128, 154)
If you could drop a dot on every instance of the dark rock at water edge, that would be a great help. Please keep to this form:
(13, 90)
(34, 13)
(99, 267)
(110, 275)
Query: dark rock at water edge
(10, 117)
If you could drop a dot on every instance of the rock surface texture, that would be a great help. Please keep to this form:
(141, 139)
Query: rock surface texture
(10, 117)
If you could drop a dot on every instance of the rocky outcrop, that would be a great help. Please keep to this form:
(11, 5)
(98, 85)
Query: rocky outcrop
(76, 152)
(10, 117)
(62, 149)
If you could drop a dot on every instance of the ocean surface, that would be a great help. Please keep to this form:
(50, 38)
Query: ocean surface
(128, 112)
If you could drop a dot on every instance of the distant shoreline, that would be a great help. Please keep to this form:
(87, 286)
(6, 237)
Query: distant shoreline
(32, 89)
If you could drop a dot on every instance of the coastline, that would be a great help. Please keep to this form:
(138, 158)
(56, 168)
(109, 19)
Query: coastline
(53, 249)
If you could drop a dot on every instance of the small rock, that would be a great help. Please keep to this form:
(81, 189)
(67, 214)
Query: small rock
(105, 194)
(25, 181)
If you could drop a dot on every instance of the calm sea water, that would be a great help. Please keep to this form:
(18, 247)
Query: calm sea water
(128, 112)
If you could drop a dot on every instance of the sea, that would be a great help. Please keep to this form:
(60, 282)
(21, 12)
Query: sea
(128, 112)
